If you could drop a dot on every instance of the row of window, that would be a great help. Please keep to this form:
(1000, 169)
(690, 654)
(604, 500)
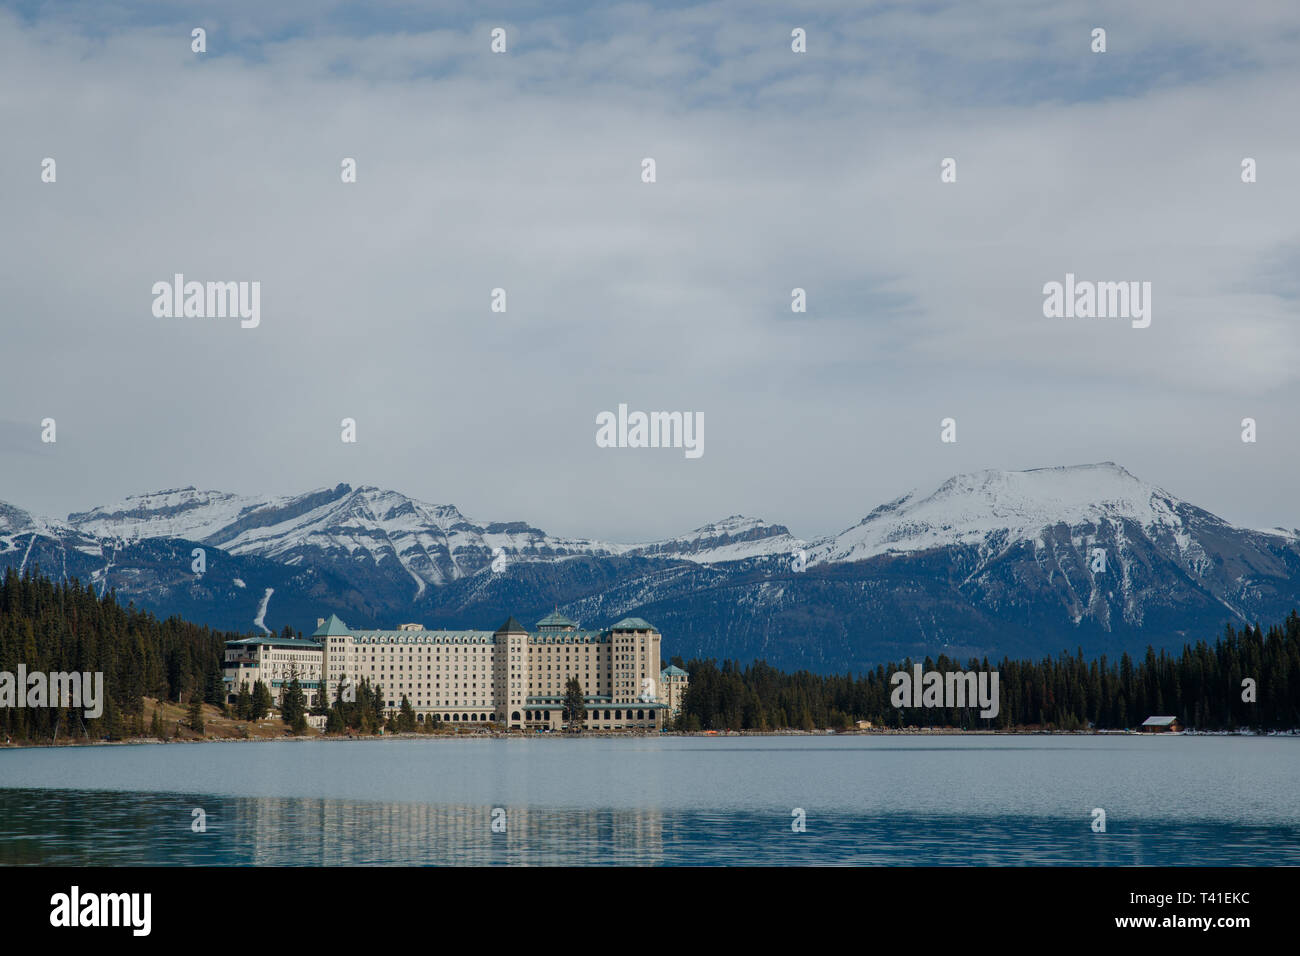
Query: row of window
(535, 715)
(483, 641)
(457, 718)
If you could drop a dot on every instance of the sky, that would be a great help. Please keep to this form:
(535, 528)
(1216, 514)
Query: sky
(522, 170)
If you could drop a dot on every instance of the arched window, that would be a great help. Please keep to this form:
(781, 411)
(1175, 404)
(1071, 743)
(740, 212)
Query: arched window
(640, 715)
(514, 715)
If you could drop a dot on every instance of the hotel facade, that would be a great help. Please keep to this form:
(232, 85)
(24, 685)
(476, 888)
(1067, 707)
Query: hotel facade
(275, 662)
(511, 676)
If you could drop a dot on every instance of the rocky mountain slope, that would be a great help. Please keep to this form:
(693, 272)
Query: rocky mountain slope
(989, 563)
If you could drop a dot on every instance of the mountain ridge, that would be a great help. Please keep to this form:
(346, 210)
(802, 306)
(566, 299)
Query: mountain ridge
(989, 561)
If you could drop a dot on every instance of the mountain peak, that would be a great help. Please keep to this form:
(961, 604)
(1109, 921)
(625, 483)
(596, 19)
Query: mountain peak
(988, 562)
(1099, 467)
(734, 538)
(1077, 486)
(13, 520)
(978, 507)
(173, 512)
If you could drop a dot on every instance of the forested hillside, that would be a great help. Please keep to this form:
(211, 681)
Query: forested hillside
(65, 627)
(60, 627)
(1202, 687)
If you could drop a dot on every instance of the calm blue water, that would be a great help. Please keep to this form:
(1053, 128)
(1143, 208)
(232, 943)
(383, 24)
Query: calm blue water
(663, 801)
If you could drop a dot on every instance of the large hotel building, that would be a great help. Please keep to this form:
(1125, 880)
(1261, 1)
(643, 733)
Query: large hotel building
(510, 676)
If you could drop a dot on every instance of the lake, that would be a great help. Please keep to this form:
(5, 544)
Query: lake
(898, 800)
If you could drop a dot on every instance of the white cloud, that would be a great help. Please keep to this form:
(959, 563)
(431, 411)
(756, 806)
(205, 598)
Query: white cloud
(775, 171)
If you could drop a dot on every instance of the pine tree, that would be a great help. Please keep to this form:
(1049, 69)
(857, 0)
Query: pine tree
(293, 707)
(377, 704)
(261, 702)
(322, 705)
(575, 705)
(196, 711)
(406, 717)
(214, 691)
(334, 722)
(116, 727)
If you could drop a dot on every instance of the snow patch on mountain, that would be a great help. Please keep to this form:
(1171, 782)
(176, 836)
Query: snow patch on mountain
(260, 620)
(995, 510)
(735, 538)
(178, 513)
(432, 544)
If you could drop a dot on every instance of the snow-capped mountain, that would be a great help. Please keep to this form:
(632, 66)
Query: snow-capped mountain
(994, 510)
(433, 544)
(430, 544)
(736, 538)
(989, 563)
(180, 513)
(13, 520)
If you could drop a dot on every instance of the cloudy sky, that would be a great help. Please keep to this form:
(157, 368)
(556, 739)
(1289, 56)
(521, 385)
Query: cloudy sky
(522, 171)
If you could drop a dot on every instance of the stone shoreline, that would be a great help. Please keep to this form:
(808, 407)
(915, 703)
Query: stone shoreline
(498, 735)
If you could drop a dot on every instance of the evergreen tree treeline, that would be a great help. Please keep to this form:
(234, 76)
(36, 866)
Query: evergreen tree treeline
(364, 714)
(63, 627)
(1202, 687)
(54, 627)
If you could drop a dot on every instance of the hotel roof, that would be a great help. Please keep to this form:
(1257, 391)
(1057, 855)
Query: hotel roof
(332, 628)
(633, 624)
(554, 628)
(556, 619)
(270, 640)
